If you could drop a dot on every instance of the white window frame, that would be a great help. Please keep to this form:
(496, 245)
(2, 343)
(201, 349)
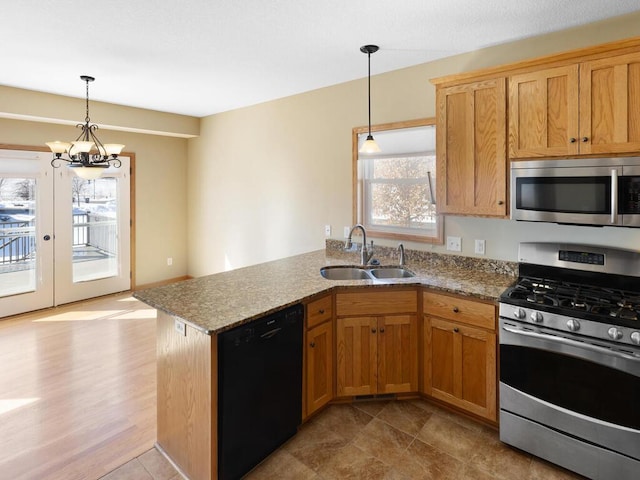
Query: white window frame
(362, 190)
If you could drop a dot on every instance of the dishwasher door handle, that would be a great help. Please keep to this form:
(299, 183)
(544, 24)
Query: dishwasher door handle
(270, 333)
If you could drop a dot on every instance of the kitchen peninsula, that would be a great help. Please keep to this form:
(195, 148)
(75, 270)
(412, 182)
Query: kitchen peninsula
(192, 313)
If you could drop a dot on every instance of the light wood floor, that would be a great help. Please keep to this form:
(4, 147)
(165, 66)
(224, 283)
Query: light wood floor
(77, 389)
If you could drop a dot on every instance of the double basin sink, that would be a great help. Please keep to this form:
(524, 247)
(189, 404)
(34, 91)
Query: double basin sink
(339, 272)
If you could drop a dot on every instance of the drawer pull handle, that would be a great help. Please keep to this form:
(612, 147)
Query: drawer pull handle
(313, 344)
(456, 309)
(456, 330)
(321, 311)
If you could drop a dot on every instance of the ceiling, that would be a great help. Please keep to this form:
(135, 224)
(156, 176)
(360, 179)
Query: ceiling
(200, 57)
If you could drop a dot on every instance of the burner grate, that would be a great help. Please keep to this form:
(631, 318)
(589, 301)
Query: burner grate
(570, 298)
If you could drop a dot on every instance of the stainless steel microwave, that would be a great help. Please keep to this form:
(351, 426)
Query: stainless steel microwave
(592, 191)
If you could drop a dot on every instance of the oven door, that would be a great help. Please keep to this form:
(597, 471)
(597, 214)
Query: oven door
(576, 195)
(589, 391)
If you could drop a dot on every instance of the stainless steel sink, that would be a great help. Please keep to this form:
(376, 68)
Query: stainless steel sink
(391, 272)
(344, 273)
(338, 272)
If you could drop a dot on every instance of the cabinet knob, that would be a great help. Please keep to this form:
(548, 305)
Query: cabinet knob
(456, 309)
(585, 139)
(456, 329)
(500, 202)
(382, 330)
(373, 330)
(572, 140)
(321, 311)
(312, 344)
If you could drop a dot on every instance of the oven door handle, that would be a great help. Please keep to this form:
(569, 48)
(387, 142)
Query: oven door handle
(572, 343)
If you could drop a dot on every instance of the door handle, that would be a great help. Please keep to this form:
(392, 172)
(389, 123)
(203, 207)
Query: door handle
(614, 196)
(270, 333)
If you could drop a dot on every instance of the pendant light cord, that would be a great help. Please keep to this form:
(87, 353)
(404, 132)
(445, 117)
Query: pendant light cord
(369, 88)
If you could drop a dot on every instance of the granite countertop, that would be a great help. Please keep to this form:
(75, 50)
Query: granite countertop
(218, 302)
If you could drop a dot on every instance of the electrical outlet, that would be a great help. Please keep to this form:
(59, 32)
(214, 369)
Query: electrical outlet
(327, 230)
(454, 244)
(180, 327)
(480, 245)
(169, 261)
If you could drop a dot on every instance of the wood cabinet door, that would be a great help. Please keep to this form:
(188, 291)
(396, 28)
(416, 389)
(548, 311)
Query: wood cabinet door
(543, 113)
(397, 354)
(319, 378)
(356, 341)
(610, 105)
(460, 366)
(471, 149)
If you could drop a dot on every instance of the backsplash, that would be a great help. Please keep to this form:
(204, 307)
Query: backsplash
(389, 256)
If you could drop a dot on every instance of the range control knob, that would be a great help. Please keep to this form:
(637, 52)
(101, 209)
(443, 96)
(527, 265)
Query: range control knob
(536, 317)
(519, 313)
(614, 333)
(573, 325)
(635, 338)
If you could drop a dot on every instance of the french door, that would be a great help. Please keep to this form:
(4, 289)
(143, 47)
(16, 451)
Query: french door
(62, 238)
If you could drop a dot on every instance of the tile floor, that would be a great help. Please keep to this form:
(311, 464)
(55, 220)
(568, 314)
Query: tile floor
(393, 440)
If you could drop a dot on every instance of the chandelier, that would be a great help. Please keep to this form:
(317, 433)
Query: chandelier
(87, 156)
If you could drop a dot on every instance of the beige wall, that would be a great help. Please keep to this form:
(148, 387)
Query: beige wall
(264, 180)
(160, 190)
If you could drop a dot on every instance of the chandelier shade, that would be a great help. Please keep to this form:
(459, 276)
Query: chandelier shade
(369, 145)
(86, 155)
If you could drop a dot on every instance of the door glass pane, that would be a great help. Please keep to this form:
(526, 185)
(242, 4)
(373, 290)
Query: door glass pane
(17, 235)
(95, 228)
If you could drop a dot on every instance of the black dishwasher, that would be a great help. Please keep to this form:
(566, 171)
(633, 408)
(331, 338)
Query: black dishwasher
(259, 389)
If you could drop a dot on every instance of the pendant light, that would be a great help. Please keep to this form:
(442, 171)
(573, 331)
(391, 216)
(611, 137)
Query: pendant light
(87, 156)
(370, 145)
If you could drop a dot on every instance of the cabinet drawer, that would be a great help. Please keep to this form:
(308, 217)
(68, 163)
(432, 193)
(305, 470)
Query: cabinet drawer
(376, 303)
(460, 309)
(319, 311)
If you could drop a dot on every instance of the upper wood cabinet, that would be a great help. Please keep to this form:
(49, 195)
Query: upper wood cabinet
(579, 109)
(610, 104)
(471, 148)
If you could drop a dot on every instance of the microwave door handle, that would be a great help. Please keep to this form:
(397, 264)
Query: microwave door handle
(614, 196)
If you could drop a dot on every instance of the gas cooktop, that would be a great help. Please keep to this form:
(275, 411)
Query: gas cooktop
(607, 305)
(580, 289)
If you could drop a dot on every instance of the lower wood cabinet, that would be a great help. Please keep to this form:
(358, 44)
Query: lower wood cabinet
(376, 353)
(319, 367)
(460, 353)
(319, 355)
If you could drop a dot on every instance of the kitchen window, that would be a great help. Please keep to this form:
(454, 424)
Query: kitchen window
(394, 190)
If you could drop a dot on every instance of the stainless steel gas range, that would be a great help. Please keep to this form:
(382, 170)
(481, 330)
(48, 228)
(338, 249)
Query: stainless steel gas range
(570, 358)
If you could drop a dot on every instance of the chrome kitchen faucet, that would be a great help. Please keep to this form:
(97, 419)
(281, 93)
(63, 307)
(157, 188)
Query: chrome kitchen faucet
(365, 254)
